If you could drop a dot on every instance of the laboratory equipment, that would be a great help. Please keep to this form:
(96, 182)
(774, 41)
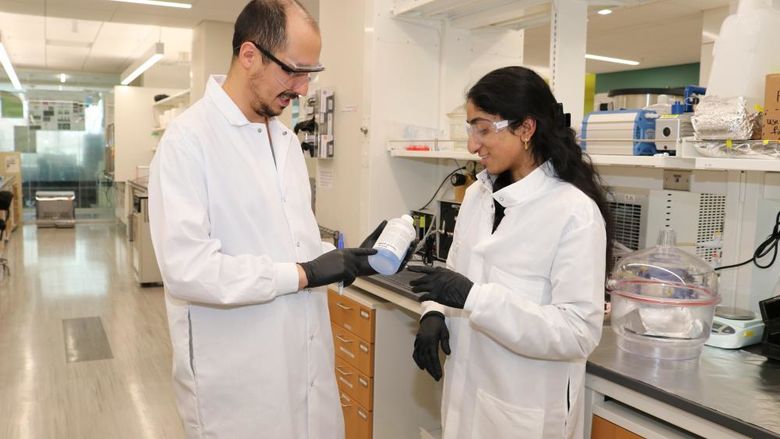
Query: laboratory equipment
(770, 314)
(638, 98)
(663, 301)
(392, 245)
(697, 218)
(670, 130)
(448, 215)
(619, 132)
(316, 123)
(733, 328)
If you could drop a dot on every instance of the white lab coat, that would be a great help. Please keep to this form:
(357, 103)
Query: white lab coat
(533, 315)
(253, 357)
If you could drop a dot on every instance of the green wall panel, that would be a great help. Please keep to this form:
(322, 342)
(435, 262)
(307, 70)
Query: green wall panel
(670, 76)
(11, 105)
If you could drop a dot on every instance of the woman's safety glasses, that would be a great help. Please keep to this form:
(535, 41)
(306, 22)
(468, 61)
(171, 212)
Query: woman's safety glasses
(478, 129)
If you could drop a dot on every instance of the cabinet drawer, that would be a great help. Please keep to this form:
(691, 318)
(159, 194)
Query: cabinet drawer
(354, 383)
(348, 313)
(357, 420)
(354, 350)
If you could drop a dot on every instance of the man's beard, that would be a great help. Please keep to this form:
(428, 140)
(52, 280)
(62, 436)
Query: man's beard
(261, 107)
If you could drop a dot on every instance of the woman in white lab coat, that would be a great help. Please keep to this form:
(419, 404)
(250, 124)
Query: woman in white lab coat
(520, 305)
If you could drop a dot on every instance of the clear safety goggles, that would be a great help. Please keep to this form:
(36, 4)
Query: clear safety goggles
(293, 75)
(480, 128)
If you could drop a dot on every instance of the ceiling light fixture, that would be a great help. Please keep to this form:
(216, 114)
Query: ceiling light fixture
(606, 11)
(63, 78)
(158, 3)
(610, 59)
(154, 54)
(9, 68)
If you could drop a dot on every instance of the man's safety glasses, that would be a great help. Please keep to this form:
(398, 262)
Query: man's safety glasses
(295, 74)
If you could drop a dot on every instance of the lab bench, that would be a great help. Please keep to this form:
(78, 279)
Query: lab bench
(723, 394)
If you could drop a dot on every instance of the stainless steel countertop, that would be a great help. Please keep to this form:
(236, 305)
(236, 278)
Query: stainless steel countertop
(734, 388)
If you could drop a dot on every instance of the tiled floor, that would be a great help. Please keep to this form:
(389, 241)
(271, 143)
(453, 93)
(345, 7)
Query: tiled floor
(61, 274)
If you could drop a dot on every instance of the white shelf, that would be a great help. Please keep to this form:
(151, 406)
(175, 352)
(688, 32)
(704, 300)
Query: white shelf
(728, 163)
(471, 14)
(737, 164)
(688, 158)
(661, 162)
(644, 161)
(181, 99)
(454, 155)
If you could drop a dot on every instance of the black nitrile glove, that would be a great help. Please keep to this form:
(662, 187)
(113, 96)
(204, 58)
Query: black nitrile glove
(342, 265)
(371, 239)
(367, 270)
(443, 286)
(432, 332)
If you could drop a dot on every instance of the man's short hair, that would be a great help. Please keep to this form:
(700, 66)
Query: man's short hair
(265, 23)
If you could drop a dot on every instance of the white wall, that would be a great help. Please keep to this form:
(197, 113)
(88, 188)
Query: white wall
(133, 124)
(711, 20)
(398, 79)
(211, 53)
(167, 75)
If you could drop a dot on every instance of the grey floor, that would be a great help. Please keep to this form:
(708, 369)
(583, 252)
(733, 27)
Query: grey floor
(84, 351)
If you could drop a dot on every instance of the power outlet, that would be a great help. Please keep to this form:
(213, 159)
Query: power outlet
(677, 180)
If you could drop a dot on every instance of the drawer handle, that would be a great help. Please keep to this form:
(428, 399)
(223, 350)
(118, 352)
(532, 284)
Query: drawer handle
(342, 306)
(363, 348)
(364, 314)
(362, 414)
(362, 382)
(343, 340)
(343, 372)
(345, 405)
(351, 355)
(346, 383)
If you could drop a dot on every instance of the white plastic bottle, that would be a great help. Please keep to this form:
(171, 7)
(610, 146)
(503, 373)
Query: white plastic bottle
(392, 245)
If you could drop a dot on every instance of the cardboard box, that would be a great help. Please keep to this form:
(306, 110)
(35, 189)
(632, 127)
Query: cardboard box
(771, 125)
(772, 92)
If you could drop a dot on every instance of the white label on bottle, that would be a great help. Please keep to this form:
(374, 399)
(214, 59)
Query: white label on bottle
(396, 237)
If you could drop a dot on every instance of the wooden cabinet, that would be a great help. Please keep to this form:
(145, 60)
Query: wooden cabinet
(355, 383)
(384, 395)
(351, 315)
(353, 338)
(603, 429)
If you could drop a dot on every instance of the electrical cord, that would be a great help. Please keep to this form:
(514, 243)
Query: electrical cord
(462, 168)
(763, 249)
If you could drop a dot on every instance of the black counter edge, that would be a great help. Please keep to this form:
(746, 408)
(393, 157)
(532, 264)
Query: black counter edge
(701, 411)
(377, 280)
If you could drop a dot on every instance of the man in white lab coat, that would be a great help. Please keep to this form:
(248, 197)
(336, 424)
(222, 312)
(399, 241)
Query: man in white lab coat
(239, 247)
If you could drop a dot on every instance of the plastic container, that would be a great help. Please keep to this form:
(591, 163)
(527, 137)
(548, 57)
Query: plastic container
(663, 301)
(392, 245)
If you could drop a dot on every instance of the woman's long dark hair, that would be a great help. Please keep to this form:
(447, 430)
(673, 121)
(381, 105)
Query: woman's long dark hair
(517, 93)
